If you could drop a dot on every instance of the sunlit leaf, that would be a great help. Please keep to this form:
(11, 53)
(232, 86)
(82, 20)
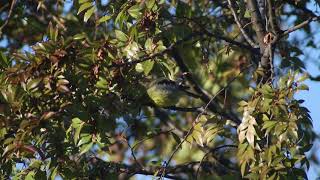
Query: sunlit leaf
(88, 14)
(85, 6)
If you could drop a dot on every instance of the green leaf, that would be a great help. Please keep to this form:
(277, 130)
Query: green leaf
(150, 3)
(268, 124)
(79, 36)
(84, 6)
(33, 83)
(3, 60)
(176, 137)
(139, 67)
(77, 133)
(304, 77)
(265, 117)
(243, 103)
(148, 44)
(307, 148)
(54, 173)
(183, 9)
(76, 122)
(8, 141)
(53, 32)
(147, 66)
(82, 1)
(85, 148)
(30, 176)
(134, 11)
(35, 164)
(88, 14)
(247, 14)
(84, 139)
(243, 168)
(104, 19)
(303, 87)
(9, 148)
(121, 36)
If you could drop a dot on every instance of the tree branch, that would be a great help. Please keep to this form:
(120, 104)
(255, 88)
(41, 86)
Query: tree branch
(186, 109)
(299, 26)
(179, 42)
(298, 6)
(236, 19)
(13, 2)
(218, 36)
(272, 18)
(213, 151)
(204, 96)
(231, 41)
(148, 57)
(151, 136)
(257, 22)
(196, 121)
(313, 17)
(172, 172)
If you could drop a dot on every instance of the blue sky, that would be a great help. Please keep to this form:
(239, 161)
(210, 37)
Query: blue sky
(311, 97)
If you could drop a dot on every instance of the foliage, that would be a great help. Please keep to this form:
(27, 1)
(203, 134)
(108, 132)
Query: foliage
(76, 104)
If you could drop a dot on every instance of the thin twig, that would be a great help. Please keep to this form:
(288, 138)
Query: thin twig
(212, 151)
(186, 109)
(145, 58)
(13, 2)
(218, 36)
(236, 19)
(179, 42)
(133, 155)
(230, 41)
(272, 17)
(131, 149)
(150, 137)
(302, 8)
(299, 26)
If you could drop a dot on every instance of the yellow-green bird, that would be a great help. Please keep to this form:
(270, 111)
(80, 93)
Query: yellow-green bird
(166, 93)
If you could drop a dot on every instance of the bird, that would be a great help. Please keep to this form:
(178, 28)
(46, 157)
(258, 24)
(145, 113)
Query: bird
(166, 93)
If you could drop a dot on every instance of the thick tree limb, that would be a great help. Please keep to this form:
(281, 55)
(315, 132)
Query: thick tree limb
(257, 22)
(265, 48)
(237, 20)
